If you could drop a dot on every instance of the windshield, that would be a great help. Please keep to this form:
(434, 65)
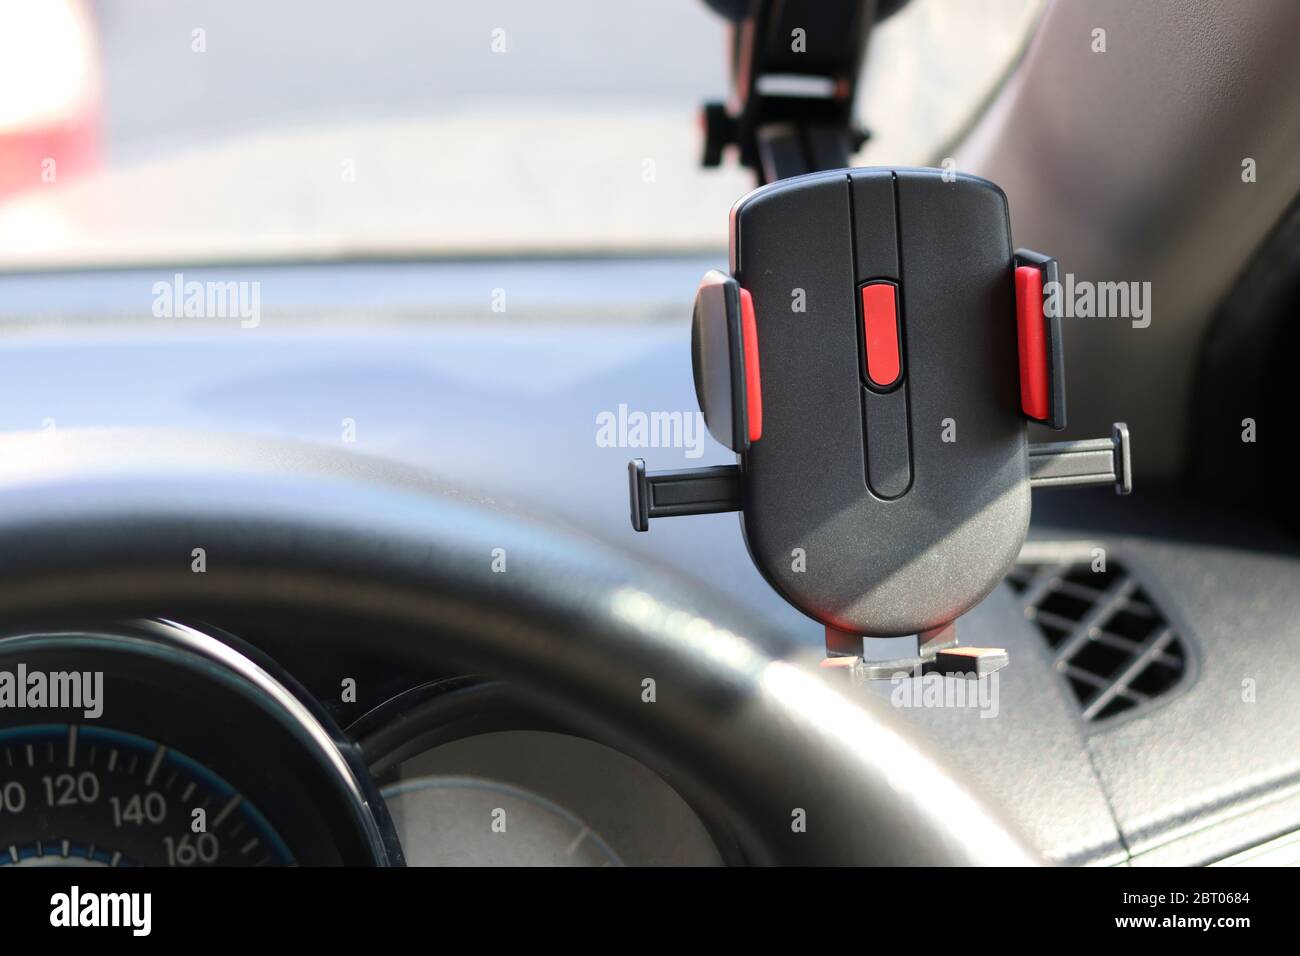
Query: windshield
(154, 131)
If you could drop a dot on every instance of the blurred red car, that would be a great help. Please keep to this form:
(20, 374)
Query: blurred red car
(49, 93)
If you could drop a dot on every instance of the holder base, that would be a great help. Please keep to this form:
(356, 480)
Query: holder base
(937, 653)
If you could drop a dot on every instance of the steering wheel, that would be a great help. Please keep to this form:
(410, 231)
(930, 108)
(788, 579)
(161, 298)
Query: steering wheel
(102, 525)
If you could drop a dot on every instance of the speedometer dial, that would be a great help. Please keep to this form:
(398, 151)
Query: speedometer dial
(83, 795)
(159, 745)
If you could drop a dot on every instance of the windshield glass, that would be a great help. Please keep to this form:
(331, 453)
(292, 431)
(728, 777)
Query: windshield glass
(153, 131)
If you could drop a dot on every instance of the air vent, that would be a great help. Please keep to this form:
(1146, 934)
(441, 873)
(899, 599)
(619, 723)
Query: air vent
(1111, 643)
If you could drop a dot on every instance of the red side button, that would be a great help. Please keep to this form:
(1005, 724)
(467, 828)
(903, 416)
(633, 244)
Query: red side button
(880, 333)
(753, 385)
(1033, 343)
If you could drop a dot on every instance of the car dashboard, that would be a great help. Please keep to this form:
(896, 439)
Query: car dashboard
(520, 380)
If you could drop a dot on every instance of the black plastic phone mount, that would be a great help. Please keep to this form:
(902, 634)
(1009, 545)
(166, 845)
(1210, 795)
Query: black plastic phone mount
(794, 75)
(874, 359)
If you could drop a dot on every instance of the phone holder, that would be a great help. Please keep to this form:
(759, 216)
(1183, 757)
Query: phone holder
(874, 359)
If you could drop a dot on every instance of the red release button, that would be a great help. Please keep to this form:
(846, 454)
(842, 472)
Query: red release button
(1033, 343)
(880, 333)
(749, 348)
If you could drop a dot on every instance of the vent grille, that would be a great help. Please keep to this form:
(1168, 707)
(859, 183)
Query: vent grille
(1110, 641)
